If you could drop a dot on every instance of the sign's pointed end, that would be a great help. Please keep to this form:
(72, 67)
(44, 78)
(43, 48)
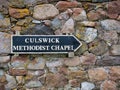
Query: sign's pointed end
(80, 44)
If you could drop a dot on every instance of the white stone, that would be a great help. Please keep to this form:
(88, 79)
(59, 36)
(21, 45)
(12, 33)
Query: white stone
(54, 63)
(81, 16)
(87, 86)
(68, 26)
(90, 34)
(33, 84)
(1, 72)
(88, 23)
(45, 11)
(36, 21)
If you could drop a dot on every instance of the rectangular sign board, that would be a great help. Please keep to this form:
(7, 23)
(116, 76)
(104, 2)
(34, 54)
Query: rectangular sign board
(34, 44)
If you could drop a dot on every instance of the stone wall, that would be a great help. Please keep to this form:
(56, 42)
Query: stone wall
(95, 66)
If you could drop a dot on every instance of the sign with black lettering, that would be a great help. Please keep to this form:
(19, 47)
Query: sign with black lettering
(34, 44)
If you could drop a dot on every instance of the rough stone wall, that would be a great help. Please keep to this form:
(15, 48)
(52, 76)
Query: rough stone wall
(95, 66)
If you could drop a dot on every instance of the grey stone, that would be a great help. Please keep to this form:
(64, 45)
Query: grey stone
(98, 47)
(11, 82)
(4, 6)
(110, 24)
(45, 11)
(5, 43)
(18, 62)
(82, 49)
(33, 84)
(56, 24)
(60, 20)
(4, 66)
(100, 1)
(38, 29)
(5, 22)
(1, 73)
(108, 61)
(111, 37)
(53, 70)
(17, 3)
(34, 2)
(1, 16)
(38, 63)
(52, 0)
(87, 86)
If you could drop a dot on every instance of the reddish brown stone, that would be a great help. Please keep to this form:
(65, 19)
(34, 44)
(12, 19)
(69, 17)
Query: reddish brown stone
(63, 70)
(79, 75)
(88, 59)
(72, 61)
(114, 7)
(2, 87)
(56, 80)
(115, 73)
(118, 18)
(93, 15)
(17, 28)
(63, 5)
(97, 74)
(2, 79)
(101, 12)
(108, 85)
(18, 13)
(112, 16)
(17, 72)
(19, 58)
(115, 50)
(77, 11)
(74, 83)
